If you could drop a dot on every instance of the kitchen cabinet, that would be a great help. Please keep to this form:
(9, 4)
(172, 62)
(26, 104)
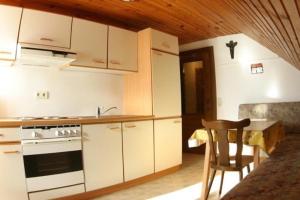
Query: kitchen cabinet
(168, 143)
(89, 41)
(122, 49)
(138, 149)
(9, 28)
(12, 172)
(155, 89)
(166, 84)
(164, 42)
(102, 155)
(43, 28)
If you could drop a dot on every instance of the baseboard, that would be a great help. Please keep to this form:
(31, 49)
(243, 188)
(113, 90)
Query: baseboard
(121, 186)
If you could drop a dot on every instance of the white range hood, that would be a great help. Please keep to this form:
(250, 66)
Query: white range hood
(41, 57)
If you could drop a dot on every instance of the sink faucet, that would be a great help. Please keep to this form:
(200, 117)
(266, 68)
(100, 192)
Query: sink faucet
(100, 112)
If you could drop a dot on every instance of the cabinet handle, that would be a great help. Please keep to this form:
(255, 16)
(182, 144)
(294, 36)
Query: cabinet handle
(115, 62)
(98, 61)
(11, 152)
(166, 45)
(1, 135)
(114, 128)
(158, 53)
(46, 39)
(130, 126)
(5, 52)
(177, 121)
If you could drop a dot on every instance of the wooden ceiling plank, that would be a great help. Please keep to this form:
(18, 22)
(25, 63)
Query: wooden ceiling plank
(283, 29)
(246, 19)
(272, 15)
(293, 14)
(287, 24)
(271, 33)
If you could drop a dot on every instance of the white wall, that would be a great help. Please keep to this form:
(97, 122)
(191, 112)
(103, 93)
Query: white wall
(71, 92)
(280, 81)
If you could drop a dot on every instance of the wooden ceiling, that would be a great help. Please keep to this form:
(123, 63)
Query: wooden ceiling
(273, 23)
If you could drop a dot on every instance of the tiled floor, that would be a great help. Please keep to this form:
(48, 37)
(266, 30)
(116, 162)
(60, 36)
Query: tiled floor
(184, 184)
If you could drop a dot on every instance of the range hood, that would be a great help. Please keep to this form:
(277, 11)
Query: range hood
(40, 57)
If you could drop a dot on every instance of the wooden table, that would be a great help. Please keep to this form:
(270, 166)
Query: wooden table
(263, 135)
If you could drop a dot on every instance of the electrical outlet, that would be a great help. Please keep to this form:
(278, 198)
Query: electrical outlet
(42, 95)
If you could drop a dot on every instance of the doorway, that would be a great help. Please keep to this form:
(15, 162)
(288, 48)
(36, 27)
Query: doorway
(198, 92)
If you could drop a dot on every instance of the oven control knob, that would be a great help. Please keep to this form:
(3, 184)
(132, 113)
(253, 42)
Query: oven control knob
(58, 133)
(77, 132)
(34, 134)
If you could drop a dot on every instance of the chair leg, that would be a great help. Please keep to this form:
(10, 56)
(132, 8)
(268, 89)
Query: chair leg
(221, 183)
(210, 182)
(241, 175)
(248, 168)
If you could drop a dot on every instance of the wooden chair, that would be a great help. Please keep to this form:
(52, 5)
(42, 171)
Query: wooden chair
(222, 160)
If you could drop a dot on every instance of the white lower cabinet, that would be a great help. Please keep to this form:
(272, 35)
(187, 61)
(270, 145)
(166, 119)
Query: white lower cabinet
(168, 143)
(12, 173)
(138, 149)
(102, 155)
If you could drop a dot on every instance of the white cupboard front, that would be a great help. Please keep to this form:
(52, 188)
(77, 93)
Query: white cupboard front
(89, 41)
(9, 28)
(138, 149)
(168, 143)
(122, 49)
(12, 173)
(164, 42)
(44, 28)
(166, 84)
(102, 155)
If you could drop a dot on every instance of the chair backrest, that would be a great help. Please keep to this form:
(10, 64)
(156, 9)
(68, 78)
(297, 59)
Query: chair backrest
(220, 129)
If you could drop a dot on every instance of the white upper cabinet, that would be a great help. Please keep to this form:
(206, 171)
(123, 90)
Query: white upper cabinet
(9, 27)
(89, 41)
(43, 28)
(164, 42)
(166, 84)
(122, 49)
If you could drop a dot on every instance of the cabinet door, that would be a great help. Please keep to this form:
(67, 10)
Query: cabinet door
(89, 41)
(102, 155)
(12, 173)
(166, 84)
(45, 28)
(138, 149)
(122, 49)
(168, 143)
(164, 42)
(9, 28)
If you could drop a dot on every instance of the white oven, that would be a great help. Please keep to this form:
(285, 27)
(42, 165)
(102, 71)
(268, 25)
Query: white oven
(52, 158)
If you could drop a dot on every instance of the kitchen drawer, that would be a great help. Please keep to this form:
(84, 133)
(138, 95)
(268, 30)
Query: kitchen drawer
(164, 42)
(56, 193)
(9, 134)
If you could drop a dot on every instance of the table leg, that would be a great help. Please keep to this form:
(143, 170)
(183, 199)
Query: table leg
(206, 169)
(256, 155)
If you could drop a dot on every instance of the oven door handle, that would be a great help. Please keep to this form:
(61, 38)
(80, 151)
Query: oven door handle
(56, 140)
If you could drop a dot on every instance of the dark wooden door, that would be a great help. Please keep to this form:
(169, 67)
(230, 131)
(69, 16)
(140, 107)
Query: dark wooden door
(198, 91)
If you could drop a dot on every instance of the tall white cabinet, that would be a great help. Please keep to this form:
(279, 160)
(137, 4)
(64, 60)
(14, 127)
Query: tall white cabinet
(168, 143)
(138, 149)
(12, 172)
(166, 84)
(9, 28)
(102, 155)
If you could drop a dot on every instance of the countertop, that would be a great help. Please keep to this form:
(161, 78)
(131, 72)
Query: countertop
(17, 122)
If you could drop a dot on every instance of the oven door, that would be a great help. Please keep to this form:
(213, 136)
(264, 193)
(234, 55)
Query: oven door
(52, 163)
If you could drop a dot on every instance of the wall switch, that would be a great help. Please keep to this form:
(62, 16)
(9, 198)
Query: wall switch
(42, 95)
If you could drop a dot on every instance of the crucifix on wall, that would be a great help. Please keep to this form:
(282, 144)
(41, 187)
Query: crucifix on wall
(231, 46)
